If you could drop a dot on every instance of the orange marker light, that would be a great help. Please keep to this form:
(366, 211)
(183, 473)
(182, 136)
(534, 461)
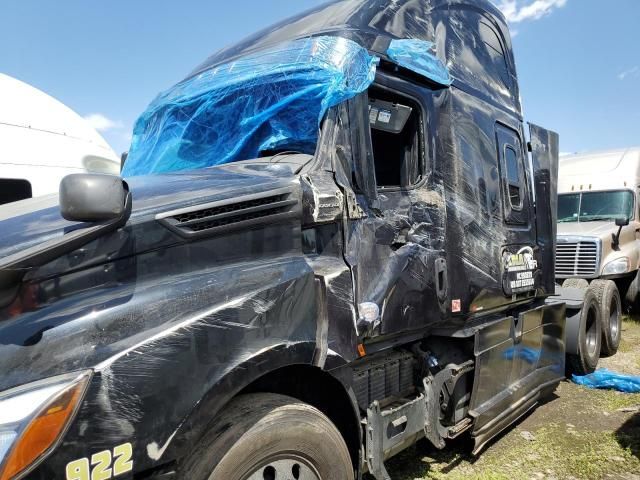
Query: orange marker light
(361, 350)
(44, 430)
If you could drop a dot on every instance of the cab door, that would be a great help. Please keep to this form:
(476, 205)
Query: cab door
(395, 251)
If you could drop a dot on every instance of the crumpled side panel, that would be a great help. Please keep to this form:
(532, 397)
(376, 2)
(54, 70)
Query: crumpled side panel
(415, 55)
(271, 100)
(607, 379)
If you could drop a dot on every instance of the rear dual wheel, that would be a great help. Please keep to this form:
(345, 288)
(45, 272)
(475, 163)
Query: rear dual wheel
(589, 338)
(610, 305)
(267, 436)
(610, 308)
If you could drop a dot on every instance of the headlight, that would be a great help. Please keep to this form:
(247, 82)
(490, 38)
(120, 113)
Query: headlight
(621, 265)
(34, 417)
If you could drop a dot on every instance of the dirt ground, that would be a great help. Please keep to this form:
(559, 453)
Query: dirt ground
(577, 434)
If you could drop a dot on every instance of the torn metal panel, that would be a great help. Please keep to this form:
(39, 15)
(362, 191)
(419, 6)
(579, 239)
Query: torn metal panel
(322, 199)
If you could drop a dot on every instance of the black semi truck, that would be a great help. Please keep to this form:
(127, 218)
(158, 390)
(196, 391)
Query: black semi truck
(332, 239)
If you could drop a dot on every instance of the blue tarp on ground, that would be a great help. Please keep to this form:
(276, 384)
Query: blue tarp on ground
(270, 101)
(606, 379)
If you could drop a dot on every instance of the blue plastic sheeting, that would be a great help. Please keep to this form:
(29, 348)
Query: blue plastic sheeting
(604, 378)
(272, 100)
(416, 56)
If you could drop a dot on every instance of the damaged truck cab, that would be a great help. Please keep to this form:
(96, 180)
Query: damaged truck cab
(334, 239)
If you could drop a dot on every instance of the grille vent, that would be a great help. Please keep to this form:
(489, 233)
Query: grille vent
(577, 259)
(268, 207)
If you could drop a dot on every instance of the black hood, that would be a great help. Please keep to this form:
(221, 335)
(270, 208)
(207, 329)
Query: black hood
(89, 304)
(31, 222)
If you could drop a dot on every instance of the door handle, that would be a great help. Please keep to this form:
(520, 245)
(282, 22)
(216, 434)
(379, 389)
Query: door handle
(441, 278)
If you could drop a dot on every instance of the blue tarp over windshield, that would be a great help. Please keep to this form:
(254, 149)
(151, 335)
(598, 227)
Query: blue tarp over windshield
(272, 100)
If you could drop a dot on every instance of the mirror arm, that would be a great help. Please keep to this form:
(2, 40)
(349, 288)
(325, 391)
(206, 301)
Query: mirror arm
(14, 267)
(615, 239)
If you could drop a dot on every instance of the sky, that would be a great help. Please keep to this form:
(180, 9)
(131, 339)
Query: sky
(578, 61)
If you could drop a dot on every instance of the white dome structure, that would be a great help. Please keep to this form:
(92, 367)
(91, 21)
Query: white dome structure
(42, 140)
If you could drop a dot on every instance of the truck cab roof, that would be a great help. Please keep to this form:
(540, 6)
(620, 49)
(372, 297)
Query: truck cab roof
(471, 37)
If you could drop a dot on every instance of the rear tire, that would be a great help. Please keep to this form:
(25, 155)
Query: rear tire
(590, 338)
(269, 436)
(610, 305)
(580, 283)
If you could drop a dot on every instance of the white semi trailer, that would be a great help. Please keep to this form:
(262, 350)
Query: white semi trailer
(42, 140)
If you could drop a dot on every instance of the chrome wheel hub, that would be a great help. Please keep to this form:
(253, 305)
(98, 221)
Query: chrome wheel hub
(285, 469)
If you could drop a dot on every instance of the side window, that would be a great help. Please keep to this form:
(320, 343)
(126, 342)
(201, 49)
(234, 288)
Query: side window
(477, 50)
(396, 138)
(512, 175)
(495, 50)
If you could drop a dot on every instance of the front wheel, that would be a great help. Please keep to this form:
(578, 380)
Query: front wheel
(580, 283)
(266, 436)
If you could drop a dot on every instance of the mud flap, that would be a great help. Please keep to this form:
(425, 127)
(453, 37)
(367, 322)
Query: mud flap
(573, 298)
(518, 360)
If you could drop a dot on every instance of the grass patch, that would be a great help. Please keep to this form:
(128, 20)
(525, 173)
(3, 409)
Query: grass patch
(630, 334)
(557, 451)
(626, 346)
(579, 435)
(634, 319)
(610, 400)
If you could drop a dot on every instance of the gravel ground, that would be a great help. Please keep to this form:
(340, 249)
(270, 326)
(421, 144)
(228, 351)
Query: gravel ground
(577, 434)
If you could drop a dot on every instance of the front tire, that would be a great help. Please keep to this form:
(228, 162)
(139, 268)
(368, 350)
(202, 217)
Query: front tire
(580, 283)
(267, 436)
(610, 305)
(589, 338)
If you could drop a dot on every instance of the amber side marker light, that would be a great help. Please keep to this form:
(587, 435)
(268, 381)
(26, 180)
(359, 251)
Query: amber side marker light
(46, 409)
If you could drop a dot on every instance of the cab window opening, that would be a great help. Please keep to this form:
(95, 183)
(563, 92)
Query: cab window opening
(396, 139)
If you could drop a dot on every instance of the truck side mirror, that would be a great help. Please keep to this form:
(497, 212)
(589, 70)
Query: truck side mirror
(615, 237)
(622, 222)
(123, 159)
(93, 197)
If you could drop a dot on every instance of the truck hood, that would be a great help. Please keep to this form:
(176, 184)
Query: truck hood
(30, 222)
(44, 332)
(602, 230)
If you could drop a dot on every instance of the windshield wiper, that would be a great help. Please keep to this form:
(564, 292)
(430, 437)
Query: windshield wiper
(597, 219)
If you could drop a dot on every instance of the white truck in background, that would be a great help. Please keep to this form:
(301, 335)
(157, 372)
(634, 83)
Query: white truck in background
(599, 232)
(42, 140)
